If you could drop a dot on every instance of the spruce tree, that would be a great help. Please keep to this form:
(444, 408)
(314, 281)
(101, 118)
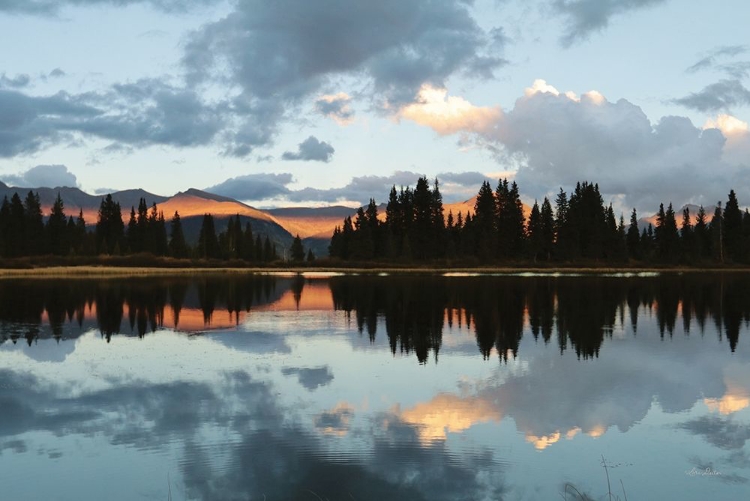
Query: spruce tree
(297, 251)
(57, 226)
(177, 244)
(208, 243)
(34, 225)
(732, 229)
(633, 238)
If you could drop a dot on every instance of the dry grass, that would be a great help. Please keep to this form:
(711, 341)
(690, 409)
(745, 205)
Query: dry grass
(96, 271)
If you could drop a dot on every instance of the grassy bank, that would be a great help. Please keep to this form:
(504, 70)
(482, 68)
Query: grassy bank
(143, 265)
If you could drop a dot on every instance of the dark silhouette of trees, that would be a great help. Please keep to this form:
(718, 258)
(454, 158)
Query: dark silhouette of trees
(297, 251)
(177, 246)
(110, 230)
(208, 243)
(58, 238)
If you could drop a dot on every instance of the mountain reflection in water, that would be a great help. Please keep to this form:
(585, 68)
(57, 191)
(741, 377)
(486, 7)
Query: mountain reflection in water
(580, 311)
(365, 387)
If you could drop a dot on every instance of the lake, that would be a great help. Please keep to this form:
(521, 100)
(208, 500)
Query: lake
(401, 387)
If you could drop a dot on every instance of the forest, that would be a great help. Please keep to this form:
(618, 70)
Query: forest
(578, 229)
(24, 231)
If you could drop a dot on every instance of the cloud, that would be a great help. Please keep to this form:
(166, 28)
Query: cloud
(53, 7)
(722, 95)
(584, 17)
(267, 186)
(711, 59)
(336, 107)
(42, 176)
(555, 139)
(15, 82)
(142, 113)
(310, 378)
(394, 46)
(311, 150)
(724, 433)
(254, 186)
(449, 115)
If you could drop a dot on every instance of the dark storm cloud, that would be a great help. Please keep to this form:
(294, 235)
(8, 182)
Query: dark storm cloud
(310, 378)
(722, 95)
(253, 186)
(50, 176)
(584, 17)
(311, 149)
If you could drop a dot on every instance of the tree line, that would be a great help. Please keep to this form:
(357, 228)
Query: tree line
(24, 232)
(578, 228)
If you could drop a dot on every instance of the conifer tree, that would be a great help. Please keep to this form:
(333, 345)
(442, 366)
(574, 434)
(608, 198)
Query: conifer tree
(633, 238)
(732, 229)
(110, 229)
(548, 229)
(57, 226)
(297, 251)
(208, 243)
(34, 225)
(177, 244)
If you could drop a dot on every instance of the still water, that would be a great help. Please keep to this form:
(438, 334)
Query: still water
(375, 388)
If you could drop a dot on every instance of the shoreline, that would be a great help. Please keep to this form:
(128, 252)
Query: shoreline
(92, 271)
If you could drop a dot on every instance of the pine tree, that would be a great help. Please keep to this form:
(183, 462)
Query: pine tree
(34, 225)
(732, 229)
(535, 232)
(548, 229)
(110, 229)
(208, 243)
(702, 235)
(633, 237)
(310, 256)
(484, 223)
(57, 226)
(177, 245)
(687, 237)
(297, 251)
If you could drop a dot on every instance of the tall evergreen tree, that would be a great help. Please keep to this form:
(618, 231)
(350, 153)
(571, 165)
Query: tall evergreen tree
(208, 242)
(702, 235)
(110, 229)
(535, 232)
(57, 229)
(732, 230)
(297, 251)
(687, 237)
(34, 225)
(177, 245)
(484, 224)
(548, 229)
(633, 238)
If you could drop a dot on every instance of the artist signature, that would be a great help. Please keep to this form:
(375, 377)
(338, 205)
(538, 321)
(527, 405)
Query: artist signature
(705, 472)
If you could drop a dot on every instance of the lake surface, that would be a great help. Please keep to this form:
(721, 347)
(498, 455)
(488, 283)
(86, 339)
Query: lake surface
(375, 388)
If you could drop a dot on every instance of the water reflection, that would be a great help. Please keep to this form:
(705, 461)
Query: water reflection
(578, 312)
(373, 388)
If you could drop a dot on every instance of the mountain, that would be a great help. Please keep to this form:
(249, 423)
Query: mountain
(645, 221)
(76, 200)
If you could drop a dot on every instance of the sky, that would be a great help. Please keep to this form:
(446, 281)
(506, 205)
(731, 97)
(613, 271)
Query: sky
(300, 102)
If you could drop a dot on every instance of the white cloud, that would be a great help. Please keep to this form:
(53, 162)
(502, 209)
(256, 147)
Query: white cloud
(449, 114)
